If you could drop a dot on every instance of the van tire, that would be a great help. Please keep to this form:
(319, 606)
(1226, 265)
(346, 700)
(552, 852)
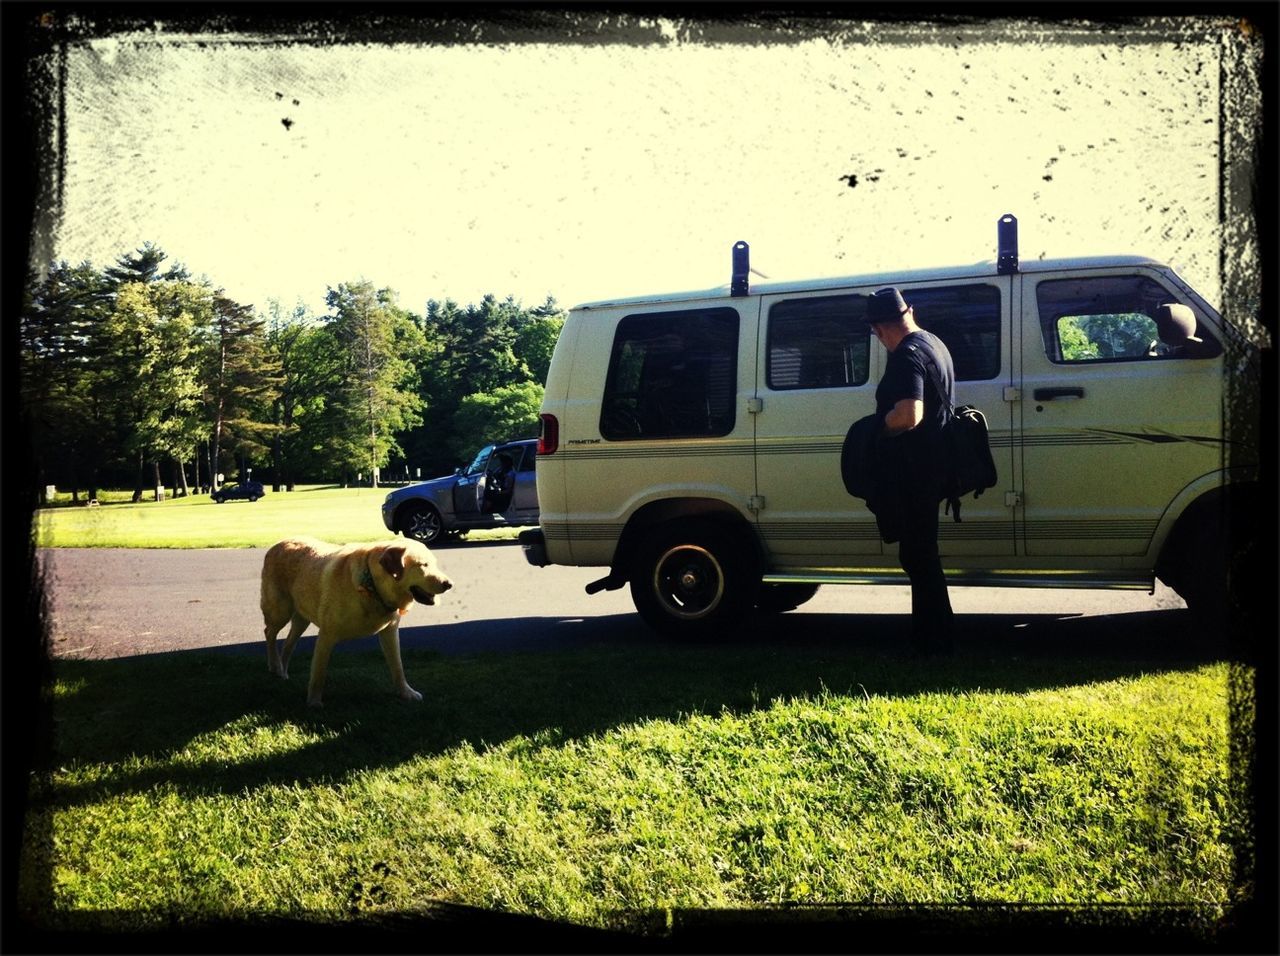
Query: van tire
(692, 579)
(780, 598)
(1211, 561)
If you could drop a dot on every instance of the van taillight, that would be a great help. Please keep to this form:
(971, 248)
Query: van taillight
(549, 436)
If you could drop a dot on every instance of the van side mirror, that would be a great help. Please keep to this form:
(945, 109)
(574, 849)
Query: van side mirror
(1176, 324)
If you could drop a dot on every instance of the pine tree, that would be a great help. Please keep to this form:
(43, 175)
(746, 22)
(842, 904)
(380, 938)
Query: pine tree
(243, 381)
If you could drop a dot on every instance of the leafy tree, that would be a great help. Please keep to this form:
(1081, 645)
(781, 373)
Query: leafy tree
(153, 373)
(136, 364)
(477, 350)
(1119, 335)
(536, 339)
(310, 369)
(1076, 346)
(377, 398)
(505, 414)
(1111, 335)
(59, 362)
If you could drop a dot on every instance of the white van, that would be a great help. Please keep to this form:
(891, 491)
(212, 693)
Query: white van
(691, 442)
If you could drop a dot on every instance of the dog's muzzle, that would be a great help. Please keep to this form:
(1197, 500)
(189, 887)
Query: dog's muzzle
(426, 597)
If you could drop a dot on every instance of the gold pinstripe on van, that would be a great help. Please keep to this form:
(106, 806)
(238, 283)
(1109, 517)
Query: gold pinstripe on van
(1100, 437)
(676, 448)
(683, 448)
(830, 530)
(1083, 528)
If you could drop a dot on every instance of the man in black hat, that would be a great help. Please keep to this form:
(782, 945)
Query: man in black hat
(914, 397)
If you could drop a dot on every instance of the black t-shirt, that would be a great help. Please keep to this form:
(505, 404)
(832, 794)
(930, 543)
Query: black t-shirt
(906, 375)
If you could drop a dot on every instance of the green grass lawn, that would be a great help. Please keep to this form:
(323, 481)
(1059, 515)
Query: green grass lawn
(606, 787)
(327, 512)
(599, 787)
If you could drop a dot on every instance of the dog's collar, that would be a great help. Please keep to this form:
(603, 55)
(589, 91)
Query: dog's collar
(366, 586)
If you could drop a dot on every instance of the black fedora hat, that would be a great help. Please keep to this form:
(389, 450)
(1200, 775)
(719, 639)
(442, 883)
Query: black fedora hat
(887, 305)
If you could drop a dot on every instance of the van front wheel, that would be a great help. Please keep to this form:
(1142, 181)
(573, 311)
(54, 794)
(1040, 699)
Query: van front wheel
(691, 581)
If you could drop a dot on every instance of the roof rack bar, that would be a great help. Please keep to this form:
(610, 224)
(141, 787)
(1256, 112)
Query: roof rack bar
(1007, 245)
(741, 266)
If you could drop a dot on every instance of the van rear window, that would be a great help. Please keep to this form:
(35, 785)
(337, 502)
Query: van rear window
(967, 319)
(820, 342)
(672, 375)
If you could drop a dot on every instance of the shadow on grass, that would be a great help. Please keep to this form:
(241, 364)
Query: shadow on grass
(551, 680)
(887, 928)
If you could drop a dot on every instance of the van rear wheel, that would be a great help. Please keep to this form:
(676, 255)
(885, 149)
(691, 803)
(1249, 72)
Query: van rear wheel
(692, 580)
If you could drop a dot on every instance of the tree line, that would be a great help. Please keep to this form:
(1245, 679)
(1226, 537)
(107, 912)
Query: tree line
(138, 374)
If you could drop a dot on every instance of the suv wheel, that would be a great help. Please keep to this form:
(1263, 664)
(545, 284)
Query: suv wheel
(422, 523)
(692, 580)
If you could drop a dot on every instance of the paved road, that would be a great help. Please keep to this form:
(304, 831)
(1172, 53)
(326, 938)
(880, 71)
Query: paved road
(119, 603)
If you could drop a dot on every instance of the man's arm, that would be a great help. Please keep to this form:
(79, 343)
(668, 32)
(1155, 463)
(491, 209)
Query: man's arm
(905, 415)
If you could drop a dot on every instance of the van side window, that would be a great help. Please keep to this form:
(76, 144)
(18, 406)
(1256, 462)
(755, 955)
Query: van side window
(818, 343)
(672, 375)
(1110, 319)
(967, 319)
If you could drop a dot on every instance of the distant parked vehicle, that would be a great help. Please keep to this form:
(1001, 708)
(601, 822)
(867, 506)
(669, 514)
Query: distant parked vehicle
(498, 489)
(251, 490)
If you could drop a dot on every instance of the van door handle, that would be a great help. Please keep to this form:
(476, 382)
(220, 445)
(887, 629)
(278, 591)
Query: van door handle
(1049, 394)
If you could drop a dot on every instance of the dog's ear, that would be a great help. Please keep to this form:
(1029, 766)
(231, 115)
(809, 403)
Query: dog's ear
(393, 560)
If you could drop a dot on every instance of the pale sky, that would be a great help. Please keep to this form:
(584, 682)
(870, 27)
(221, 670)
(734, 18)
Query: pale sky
(612, 169)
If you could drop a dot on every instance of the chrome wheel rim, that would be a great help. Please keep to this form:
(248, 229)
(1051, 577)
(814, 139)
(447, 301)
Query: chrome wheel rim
(424, 525)
(688, 582)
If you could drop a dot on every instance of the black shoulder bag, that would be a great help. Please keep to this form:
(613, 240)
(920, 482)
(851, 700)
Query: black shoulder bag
(967, 463)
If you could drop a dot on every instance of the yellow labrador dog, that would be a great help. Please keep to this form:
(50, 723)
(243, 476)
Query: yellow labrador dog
(346, 591)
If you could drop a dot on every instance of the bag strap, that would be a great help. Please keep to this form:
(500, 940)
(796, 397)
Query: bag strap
(935, 376)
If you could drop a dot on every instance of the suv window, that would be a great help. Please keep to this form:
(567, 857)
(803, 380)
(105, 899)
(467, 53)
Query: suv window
(1109, 319)
(529, 461)
(820, 342)
(967, 319)
(482, 457)
(672, 375)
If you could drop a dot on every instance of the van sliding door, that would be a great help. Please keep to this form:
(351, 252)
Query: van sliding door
(816, 374)
(818, 369)
(972, 317)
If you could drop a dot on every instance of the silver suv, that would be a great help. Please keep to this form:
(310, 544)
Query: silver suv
(498, 489)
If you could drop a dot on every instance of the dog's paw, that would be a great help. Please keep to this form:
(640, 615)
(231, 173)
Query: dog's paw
(408, 693)
(315, 702)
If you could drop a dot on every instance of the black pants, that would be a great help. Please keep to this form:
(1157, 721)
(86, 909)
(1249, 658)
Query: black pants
(931, 615)
(908, 489)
